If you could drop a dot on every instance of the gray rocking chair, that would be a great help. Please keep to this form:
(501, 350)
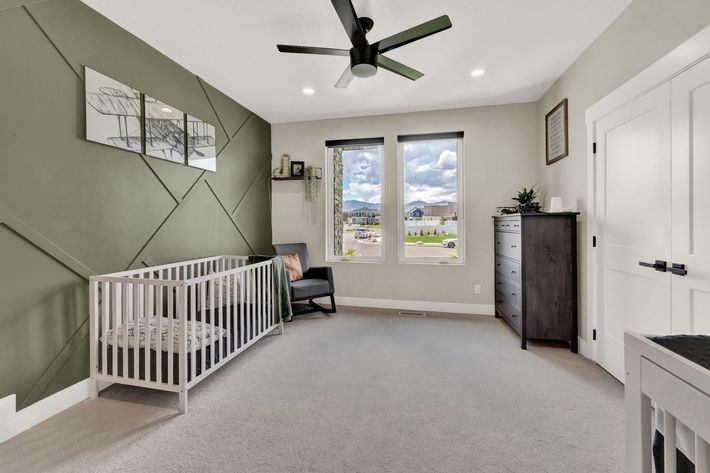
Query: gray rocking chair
(316, 282)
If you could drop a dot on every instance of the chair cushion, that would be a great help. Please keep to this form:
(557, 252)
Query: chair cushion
(293, 266)
(309, 287)
(284, 249)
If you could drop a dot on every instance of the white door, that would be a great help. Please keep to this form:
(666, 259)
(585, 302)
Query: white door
(633, 224)
(690, 98)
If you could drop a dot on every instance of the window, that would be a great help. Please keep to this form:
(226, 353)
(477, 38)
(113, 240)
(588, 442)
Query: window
(431, 198)
(355, 222)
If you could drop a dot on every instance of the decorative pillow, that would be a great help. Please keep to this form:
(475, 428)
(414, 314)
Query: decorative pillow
(223, 283)
(293, 266)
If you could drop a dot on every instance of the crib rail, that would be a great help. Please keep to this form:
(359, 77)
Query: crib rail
(168, 327)
(678, 388)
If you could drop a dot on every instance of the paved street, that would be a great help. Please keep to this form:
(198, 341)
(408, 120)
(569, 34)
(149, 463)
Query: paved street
(371, 247)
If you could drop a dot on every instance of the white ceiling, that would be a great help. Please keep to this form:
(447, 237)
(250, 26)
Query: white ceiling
(525, 45)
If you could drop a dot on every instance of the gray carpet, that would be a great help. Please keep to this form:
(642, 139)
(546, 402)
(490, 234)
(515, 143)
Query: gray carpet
(361, 391)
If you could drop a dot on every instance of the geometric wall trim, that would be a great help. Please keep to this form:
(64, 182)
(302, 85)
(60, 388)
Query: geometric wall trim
(79, 208)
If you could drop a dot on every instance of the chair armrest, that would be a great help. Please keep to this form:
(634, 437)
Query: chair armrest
(321, 272)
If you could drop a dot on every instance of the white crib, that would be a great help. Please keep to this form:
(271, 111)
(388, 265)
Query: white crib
(169, 327)
(678, 388)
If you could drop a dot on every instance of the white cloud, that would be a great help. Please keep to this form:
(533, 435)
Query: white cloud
(363, 191)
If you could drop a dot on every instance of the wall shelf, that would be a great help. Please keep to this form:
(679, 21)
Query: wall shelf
(290, 178)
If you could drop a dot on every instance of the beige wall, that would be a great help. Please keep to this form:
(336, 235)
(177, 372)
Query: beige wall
(498, 158)
(500, 145)
(646, 31)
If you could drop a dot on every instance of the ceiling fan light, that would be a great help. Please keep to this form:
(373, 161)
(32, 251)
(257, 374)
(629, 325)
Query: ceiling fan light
(478, 72)
(308, 91)
(363, 70)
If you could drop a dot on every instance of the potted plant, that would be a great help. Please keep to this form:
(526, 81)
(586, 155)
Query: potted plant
(525, 200)
(310, 182)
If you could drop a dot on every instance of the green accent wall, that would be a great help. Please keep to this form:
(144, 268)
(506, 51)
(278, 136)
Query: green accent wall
(70, 208)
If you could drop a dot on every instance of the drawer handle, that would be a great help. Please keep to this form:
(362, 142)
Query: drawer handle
(514, 315)
(497, 264)
(516, 225)
(499, 282)
(513, 246)
(513, 272)
(513, 294)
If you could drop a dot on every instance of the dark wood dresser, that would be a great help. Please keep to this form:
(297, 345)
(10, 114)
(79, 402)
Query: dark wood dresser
(536, 275)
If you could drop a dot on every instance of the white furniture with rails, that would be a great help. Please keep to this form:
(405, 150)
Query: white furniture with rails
(169, 327)
(678, 388)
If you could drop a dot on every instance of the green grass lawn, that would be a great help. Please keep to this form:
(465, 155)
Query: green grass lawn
(427, 238)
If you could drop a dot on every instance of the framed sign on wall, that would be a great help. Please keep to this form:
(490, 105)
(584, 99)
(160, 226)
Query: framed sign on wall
(556, 134)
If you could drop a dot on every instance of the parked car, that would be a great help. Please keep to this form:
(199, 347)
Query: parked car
(450, 242)
(361, 233)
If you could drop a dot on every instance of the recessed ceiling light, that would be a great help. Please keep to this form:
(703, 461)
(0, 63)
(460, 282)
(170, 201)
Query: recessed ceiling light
(166, 110)
(308, 91)
(478, 72)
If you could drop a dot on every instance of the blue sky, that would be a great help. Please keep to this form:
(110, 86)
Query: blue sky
(430, 172)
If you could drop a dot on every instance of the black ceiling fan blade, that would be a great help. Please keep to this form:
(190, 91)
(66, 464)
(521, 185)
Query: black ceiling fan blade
(350, 21)
(413, 34)
(398, 68)
(288, 48)
(345, 79)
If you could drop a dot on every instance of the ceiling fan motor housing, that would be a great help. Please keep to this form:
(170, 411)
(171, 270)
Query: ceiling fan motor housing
(363, 61)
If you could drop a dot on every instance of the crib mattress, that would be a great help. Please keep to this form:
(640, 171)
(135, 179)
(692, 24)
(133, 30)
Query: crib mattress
(136, 331)
(160, 358)
(695, 348)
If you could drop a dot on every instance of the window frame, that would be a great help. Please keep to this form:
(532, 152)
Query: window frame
(330, 255)
(460, 196)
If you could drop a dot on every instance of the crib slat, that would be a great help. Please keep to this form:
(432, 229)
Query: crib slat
(203, 345)
(702, 455)
(669, 442)
(147, 302)
(193, 341)
(171, 334)
(114, 326)
(220, 316)
(262, 304)
(136, 333)
(250, 305)
(125, 313)
(106, 307)
(242, 316)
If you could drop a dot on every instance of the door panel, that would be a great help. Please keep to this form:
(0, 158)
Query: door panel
(690, 98)
(633, 224)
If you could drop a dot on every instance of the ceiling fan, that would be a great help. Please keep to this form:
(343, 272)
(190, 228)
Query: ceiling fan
(365, 58)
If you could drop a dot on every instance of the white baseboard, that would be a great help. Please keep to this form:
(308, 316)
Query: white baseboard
(447, 307)
(14, 422)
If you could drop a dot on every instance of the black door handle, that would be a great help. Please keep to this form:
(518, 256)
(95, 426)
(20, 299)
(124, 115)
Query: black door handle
(658, 265)
(678, 269)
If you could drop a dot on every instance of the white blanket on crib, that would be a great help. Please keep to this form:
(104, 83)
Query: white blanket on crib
(204, 334)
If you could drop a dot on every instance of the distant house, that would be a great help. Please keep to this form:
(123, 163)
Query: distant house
(447, 210)
(364, 216)
(415, 214)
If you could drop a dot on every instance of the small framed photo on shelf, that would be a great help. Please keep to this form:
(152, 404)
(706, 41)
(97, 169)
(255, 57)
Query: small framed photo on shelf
(297, 168)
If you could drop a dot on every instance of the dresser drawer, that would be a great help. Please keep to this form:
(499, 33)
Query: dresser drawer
(508, 244)
(509, 224)
(510, 291)
(509, 312)
(508, 269)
